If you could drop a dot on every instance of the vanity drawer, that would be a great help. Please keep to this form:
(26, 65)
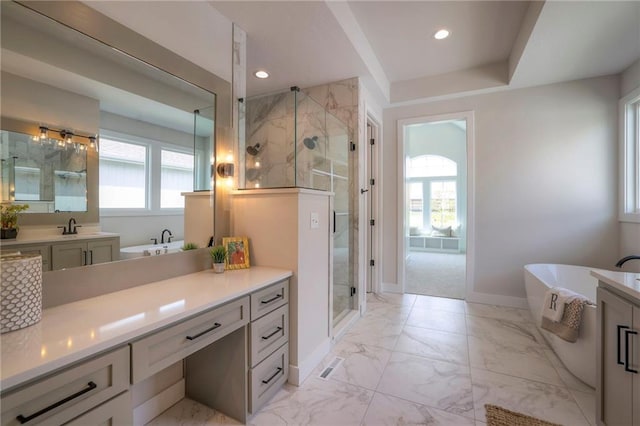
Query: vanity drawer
(70, 393)
(117, 411)
(267, 378)
(159, 350)
(268, 333)
(268, 299)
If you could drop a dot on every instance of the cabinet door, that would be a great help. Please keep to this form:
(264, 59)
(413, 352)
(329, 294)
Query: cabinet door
(42, 250)
(615, 385)
(635, 364)
(68, 255)
(101, 251)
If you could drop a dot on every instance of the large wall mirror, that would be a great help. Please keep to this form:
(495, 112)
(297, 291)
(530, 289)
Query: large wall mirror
(153, 129)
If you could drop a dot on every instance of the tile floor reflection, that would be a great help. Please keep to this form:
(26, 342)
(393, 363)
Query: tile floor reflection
(416, 359)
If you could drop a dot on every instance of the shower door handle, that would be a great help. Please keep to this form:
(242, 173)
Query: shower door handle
(334, 221)
(362, 191)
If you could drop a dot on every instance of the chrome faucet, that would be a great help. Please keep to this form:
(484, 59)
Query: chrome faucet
(72, 229)
(162, 236)
(625, 259)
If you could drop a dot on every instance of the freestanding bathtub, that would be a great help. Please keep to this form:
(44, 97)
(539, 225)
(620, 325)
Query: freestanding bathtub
(150, 249)
(579, 357)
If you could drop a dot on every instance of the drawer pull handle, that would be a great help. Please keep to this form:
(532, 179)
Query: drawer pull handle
(273, 299)
(22, 419)
(216, 325)
(279, 329)
(626, 351)
(620, 327)
(266, 382)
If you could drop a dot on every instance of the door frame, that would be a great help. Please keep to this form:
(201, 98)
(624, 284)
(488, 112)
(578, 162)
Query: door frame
(372, 208)
(402, 242)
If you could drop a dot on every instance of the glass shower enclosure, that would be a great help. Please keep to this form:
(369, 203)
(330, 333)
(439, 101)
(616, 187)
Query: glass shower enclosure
(289, 140)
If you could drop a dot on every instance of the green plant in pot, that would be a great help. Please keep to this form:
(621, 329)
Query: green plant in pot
(218, 256)
(9, 219)
(189, 246)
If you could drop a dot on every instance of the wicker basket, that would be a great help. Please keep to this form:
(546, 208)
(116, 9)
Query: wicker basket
(20, 291)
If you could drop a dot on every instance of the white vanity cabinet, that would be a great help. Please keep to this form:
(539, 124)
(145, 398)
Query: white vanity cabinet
(84, 252)
(82, 391)
(618, 359)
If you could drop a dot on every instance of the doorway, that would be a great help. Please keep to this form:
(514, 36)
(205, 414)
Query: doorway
(435, 182)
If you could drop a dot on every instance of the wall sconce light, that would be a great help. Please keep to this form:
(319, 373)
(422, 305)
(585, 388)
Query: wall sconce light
(67, 138)
(225, 170)
(44, 133)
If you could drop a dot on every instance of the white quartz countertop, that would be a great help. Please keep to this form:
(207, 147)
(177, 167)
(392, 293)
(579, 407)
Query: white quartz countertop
(71, 332)
(59, 238)
(626, 282)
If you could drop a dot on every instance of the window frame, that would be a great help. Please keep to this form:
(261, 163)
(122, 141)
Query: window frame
(629, 112)
(153, 176)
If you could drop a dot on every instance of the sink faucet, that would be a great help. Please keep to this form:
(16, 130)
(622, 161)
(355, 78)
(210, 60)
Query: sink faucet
(625, 259)
(162, 236)
(72, 229)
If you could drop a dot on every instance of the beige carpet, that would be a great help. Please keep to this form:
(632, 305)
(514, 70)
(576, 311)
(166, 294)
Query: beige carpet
(498, 416)
(435, 274)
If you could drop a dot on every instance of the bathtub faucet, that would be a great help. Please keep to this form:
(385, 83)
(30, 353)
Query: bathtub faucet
(624, 259)
(162, 236)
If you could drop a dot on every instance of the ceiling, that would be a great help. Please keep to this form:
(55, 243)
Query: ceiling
(494, 45)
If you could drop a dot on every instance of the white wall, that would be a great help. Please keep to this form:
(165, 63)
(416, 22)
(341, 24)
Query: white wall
(198, 33)
(545, 179)
(630, 232)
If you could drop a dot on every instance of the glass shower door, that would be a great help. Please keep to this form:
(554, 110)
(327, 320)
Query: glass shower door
(343, 234)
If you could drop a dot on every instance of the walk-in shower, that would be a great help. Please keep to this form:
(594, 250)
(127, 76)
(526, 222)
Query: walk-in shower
(289, 140)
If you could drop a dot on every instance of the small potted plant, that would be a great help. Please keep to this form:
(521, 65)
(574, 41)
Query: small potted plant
(9, 219)
(218, 255)
(189, 246)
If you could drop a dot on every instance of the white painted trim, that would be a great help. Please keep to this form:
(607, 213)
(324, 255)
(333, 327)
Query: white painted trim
(628, 160)
(298, 373)
(377, 193)
(401, 243)
(391, 288)
(497, 299)
(153, 407)
(344, 325)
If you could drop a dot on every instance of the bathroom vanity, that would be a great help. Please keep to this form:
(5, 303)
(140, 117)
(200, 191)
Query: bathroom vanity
(618, 351)
(81, 363)
(69, 251)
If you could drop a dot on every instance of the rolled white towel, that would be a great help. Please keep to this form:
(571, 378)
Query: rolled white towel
(554, 301)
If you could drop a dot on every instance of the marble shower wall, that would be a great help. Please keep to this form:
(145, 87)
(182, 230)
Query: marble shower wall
(326, 117)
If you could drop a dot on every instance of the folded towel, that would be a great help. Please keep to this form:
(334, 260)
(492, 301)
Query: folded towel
(554, 301)
(569, 326)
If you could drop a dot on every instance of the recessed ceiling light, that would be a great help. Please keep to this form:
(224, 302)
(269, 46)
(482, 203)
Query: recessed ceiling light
(441, 34)
(261, 74)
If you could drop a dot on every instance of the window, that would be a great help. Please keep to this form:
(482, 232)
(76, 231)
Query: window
(443, 203)
(432, 192)
(176, 176)
(630, 121)
(123, 175)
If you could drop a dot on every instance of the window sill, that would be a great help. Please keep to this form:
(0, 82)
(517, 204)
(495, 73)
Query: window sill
(140, 212)
(629, 218)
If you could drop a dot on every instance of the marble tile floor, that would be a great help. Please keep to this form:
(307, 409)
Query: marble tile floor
(415, 359)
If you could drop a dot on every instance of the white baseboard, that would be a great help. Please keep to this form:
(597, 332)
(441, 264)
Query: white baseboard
(298, 373)
(497, 299)
(391, 288)
(152, 408)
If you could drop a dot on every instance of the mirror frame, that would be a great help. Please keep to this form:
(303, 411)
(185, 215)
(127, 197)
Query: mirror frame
(82, 18)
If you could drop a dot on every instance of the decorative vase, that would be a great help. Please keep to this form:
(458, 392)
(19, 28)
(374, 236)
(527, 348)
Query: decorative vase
(218, 268)
(20, 291)
(8, 233)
